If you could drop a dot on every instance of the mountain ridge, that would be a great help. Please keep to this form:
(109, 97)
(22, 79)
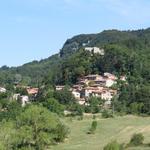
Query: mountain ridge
(134, 41)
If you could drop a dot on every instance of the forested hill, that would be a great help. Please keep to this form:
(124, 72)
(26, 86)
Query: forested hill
(137, 39)
(28, 74)
(126, 52)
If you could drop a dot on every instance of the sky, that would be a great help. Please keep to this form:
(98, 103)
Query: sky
(36, 29)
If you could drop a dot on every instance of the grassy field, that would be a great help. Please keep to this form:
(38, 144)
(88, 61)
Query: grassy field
(119, 128)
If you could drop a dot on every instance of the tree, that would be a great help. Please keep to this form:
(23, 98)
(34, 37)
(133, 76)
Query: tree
(11, 110)
(54, 106)
(64, 97)
(62, 132)
(93, 127)
(39, 125)
(8, 135)
(95, 104)
(34, 129)
(136, 108)
(21, 90)
(107, 114)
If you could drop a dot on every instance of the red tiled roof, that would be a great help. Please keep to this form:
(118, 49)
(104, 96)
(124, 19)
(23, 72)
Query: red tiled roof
(32, 91)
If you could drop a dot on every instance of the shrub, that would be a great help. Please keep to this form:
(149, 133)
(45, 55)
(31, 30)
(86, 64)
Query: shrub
(94, 117)
(87, 109)
(137, 139)
(93, 127)
(35, 128)
(114, 145)
(107, 114)
(62, 132)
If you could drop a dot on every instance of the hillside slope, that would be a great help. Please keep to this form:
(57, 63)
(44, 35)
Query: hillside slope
(135, 44)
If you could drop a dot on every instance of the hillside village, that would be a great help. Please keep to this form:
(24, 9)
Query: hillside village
(92, 85)
(95, 85)
(24, 99)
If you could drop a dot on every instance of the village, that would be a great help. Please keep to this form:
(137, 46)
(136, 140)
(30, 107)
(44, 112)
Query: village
(91, 85)
(95, 85)
(24, 99)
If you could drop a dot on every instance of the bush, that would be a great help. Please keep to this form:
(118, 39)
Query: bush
(87, 109)
(114, 145)
(137, 139)
(93, 127)
(35, 128)
(62, 132)
(107, 114)
(94, 117)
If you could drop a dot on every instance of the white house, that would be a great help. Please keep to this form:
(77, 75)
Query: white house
(110, 76)
(123, 78)
(24, 100)
(110, 82)
(2, 90)
(60, 87)
(106, 95)
(76, 94)
(16, 96)
(95, 50)
(88, 91)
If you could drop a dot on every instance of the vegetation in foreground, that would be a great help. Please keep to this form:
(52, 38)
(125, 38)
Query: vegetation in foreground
(120, 129)
(35, 128)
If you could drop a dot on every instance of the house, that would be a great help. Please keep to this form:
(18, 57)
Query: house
(76, 94)
(24, 100)
(95, 50)
(110, 79)
(123, 78)
(16, 96)
(59, 87)
(2, 90)
(93, 77)
(77, 87)
(88, 91)
(110, 76)
(106, 95)
(32, 91)
(109, 82)
(100, 82)
(82, 101)
(83, 82)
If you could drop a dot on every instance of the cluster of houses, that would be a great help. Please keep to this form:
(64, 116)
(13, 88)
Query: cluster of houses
(95, 85)
(25, 99)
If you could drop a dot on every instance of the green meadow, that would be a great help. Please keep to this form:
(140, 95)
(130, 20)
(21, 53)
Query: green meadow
(118, 128)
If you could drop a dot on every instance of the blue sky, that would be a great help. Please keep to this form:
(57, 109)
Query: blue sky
(36, 29)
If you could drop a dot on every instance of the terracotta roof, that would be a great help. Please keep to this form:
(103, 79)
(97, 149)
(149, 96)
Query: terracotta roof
(32, 91)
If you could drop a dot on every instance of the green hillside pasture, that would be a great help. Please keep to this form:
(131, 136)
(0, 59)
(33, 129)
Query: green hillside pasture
(119, 128)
